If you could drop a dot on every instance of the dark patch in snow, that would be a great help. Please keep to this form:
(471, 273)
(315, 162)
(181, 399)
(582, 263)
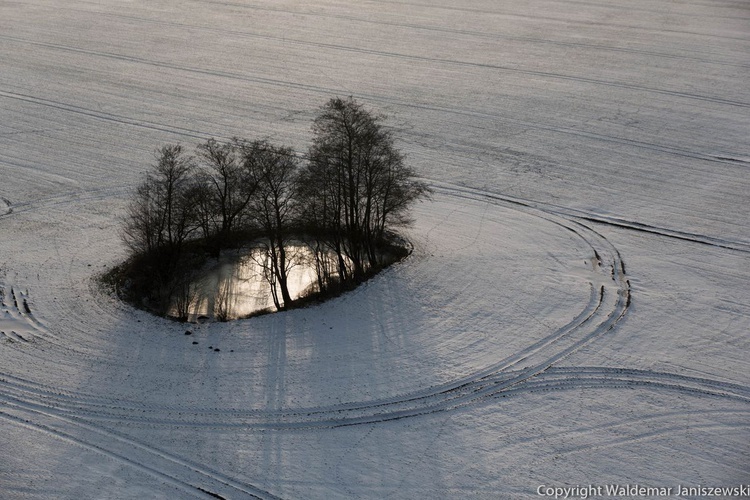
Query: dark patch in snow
(730, 158)
(671, 233)
(210, 493)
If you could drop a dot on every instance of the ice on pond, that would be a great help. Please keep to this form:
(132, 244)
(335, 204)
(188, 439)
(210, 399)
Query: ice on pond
(236, 285)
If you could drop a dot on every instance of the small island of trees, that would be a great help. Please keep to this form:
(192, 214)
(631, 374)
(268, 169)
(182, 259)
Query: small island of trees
(343, 201)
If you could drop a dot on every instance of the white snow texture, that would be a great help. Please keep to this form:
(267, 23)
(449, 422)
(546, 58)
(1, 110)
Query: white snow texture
(575, 311)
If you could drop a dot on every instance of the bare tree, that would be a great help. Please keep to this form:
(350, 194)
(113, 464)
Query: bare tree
(356, 184)
(223, 298)
(228, 189)
(319, 196)
(184, 295)
(161, 217)
(273, 172)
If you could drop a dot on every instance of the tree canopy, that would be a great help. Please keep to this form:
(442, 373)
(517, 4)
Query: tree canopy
(343, 199)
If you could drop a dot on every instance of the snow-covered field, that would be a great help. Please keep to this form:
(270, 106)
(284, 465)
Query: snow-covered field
(576, 310)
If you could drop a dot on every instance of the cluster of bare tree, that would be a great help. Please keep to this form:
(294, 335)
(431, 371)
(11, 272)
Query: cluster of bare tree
(341, 200)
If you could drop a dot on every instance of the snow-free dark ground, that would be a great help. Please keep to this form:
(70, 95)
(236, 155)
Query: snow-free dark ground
(576, 309)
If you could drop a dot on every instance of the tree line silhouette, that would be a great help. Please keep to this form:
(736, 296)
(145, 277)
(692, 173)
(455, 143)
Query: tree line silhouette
(343, 200)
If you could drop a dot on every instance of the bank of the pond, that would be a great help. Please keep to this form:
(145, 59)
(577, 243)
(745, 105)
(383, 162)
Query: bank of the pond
(239, 283)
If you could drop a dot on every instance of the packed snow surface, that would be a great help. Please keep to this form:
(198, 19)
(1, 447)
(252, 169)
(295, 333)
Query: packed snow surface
(576, 309)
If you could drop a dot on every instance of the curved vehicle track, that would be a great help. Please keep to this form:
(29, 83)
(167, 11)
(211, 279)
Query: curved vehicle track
(530, 369)
(88, 420)
(557, 340)
(191, 478)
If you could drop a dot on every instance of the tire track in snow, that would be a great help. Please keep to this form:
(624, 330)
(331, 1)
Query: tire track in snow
(556, 378)
(587, 314)
(546, 379)
(564, 21)
(480, 34)
(69, 197)
(654, 11)
(380, 53)
(123, 120)
(501, 379)
(595, 300)
(477, 11)
(103, 115)
(530, 370)
(329, 91)
(17, 322)
(574, 214)
(650, 435)
(608, 302)
(160, 464)
(5, 206)
(63, 436)
(624, 423)
(381, 99)
(669, 233)
(496, 386)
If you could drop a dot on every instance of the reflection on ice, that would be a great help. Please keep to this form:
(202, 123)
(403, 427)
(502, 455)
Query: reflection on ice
(238, 285)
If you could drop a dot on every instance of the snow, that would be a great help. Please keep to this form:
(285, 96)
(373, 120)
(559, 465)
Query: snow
(575, 310)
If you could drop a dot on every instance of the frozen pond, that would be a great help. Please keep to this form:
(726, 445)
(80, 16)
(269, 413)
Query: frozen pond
(236, 286)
